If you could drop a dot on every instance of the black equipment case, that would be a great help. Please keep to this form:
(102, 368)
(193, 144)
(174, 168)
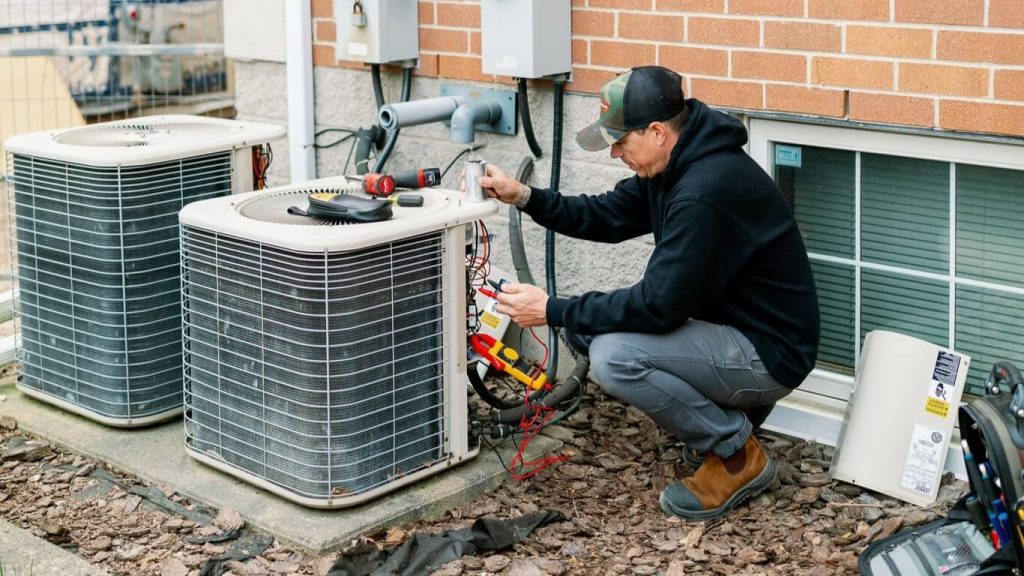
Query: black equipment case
(984, 532)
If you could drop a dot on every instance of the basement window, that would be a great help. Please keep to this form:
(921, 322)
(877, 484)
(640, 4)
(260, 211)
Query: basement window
(916, 234)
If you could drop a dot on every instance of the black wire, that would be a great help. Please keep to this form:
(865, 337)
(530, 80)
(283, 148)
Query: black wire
(494, 448)
(335, 143)
(326, 130)
(349, 157)
(452, 163)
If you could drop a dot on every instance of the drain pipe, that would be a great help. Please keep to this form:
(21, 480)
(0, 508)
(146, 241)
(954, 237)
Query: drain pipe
(299, 70)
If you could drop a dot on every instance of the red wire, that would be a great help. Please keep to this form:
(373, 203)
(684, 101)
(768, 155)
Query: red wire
(531, 424)
(543, 345)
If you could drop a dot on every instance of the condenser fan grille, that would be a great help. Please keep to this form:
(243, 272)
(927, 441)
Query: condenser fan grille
(130, 134)
(321, 373)
(98, 269)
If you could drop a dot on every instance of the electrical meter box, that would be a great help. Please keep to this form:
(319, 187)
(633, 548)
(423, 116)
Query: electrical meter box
(526, 38)
(377, 31)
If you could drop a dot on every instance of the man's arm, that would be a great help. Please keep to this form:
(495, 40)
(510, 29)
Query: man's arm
(613, 216)
(696, 259)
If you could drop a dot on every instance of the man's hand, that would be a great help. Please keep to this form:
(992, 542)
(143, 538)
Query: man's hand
(498, 184)
(526, 304)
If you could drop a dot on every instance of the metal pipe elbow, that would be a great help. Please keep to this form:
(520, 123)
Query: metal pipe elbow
(468, 115)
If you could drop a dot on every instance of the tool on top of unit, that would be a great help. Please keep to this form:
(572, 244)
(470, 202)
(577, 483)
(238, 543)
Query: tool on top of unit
(376, 184)
(419, 178)
(344, 207)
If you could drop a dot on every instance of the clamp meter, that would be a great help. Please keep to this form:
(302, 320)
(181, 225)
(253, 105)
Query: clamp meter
(507, 360)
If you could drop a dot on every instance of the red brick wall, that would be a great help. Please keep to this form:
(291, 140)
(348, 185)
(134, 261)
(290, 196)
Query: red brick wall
(951, 64)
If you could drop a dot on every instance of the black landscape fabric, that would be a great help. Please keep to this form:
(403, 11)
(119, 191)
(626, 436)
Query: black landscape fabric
(422, 553)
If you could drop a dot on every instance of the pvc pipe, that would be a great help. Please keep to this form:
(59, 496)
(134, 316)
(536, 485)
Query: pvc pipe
(299, 59)
(402, 114)
(466, 117)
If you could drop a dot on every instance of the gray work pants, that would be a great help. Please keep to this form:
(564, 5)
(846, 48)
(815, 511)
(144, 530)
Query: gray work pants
(690, 381)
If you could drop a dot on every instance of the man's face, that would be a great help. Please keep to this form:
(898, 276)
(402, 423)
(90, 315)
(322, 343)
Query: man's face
(643, 151)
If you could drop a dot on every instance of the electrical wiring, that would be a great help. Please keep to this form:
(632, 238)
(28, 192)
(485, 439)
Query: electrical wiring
(349, 134)
(543, 346)
(462, 153)
(262, 157)
(332, 129)
(348, 158)
(537, 417)
(480, 267)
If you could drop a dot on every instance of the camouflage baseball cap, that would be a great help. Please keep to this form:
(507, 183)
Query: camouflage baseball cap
(631, 101)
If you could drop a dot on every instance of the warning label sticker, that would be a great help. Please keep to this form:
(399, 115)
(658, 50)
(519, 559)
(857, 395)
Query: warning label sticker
(947, 364)
(940, 390)
(937, 407)
(921, 469)
(489, 319)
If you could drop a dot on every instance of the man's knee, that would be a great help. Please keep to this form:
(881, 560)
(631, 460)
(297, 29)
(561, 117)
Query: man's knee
(613, 363)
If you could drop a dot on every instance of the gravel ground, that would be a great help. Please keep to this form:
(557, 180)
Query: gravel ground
(607, 488)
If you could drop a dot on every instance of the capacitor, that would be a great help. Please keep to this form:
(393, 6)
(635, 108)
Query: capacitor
(475, 169)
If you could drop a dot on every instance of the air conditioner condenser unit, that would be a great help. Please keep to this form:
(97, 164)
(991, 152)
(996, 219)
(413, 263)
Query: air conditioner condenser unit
(326, 362)
(95, 213)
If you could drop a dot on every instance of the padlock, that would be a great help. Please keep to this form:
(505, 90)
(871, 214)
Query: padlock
(358, 16)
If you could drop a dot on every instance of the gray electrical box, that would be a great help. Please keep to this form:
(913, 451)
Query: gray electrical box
(526, 38)
(377, 31)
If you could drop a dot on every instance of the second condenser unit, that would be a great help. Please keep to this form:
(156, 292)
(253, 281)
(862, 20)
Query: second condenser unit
(326, 362)
(96, 220)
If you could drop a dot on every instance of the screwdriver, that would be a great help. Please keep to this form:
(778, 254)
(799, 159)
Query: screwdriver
(407, 200)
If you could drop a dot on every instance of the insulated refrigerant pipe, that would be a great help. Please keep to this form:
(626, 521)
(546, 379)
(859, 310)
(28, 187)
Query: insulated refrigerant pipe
(403, 114)
(466, 117)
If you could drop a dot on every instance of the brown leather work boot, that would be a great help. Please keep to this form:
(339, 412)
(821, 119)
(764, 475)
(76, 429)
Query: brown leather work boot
(756, 414)
(720, 484)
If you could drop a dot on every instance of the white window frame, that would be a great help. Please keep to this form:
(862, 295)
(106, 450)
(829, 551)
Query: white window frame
(815, 411)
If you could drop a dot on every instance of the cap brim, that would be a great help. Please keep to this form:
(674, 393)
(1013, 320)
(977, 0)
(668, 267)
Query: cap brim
(597, 136)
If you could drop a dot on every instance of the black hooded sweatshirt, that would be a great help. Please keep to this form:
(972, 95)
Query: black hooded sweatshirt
(727, 249)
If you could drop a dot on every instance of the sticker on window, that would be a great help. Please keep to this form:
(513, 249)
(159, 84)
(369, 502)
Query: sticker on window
(786, 155)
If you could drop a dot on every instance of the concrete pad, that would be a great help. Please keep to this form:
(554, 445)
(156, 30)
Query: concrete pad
(23, 553)
(157, 455)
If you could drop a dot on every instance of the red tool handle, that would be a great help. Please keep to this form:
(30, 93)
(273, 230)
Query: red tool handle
(376, 184)
(483, 343)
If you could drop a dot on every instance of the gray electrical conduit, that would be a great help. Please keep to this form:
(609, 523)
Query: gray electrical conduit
(389, 144)
(558, 395)
(549, 237)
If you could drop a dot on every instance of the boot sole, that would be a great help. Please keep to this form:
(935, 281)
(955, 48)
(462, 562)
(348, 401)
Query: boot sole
(753, 488)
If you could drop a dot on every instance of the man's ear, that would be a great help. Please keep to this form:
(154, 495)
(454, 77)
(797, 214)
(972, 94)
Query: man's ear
(660, 130)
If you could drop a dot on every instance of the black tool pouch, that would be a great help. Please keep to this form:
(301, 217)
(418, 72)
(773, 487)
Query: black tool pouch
(348, 208)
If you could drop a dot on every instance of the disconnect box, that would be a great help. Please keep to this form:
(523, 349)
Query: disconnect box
(526, 38)
(377, 31)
